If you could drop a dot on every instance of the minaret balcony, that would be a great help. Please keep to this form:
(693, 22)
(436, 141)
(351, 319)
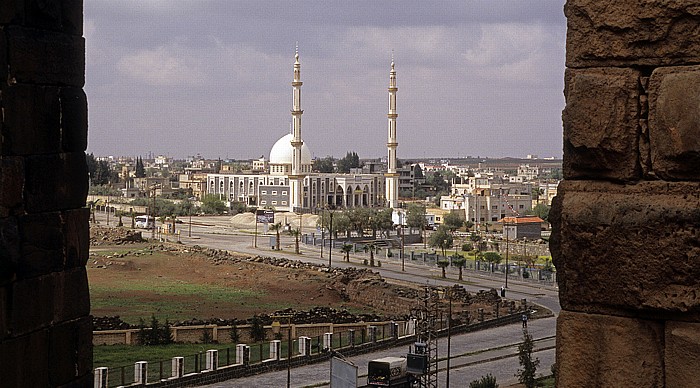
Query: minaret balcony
(392, 115)
(297, 112)
(394, 144)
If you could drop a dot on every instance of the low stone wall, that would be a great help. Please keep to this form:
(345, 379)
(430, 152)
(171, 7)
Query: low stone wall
(222, 334)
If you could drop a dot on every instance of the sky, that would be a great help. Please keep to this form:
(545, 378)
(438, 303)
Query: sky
(186, 77)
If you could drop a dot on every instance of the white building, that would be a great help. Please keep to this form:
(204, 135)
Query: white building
(287, 182)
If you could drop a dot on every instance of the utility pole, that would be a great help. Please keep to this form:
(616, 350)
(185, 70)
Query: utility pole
(330, 249)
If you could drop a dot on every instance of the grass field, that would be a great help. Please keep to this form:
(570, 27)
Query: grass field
(167, 298)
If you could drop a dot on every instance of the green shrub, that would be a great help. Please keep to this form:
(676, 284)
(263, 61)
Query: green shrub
(156, 334)
(257, 329)
(235, 335)
(206, 337)
(488, 381)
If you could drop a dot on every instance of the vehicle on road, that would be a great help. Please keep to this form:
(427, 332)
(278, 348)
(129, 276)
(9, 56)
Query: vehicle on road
(388, 372)
(145, 222)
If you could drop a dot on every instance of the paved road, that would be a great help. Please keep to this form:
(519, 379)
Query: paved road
(465, 349)
(215, 232)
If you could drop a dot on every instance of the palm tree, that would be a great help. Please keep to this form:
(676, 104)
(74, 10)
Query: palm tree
(296, 233)
(276, 228)
(371, 247)
(459, 262)
(346, 248)
(443, 263)
(92, 205)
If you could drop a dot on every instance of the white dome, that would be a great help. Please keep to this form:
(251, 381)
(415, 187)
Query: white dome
(283, 152)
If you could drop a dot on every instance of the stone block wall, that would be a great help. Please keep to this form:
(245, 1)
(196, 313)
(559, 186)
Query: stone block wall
(626, 222)
(45, 328)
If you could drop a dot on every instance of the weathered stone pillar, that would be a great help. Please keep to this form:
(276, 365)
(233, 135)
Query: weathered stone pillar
(626, 222)
(45, 328)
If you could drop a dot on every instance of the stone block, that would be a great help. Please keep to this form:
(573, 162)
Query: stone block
(632, 33)
(76, 232)
(74, 119)
(45, 57)
(71, 295)
(10, 254)
(3, 51)
(607, 351)
(674, 122)
(31, 120)
(64, 188)
(11, 181)
(601, 124)
(682, 354)
(72, 17)
(70, 353)
(32, 304)
(41, 245)
(24, 360)
(628, 249)
(4, 312)
(43, 14)
(11, 11)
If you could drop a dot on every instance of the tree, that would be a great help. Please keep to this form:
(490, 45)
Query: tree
(211, 204)
(346, 248)
(372, 249)
(100, 171)
(526, 375)
(296, 233)
(415, 216)
(441, 238)
(324, 165)
(235, 335)
(452, 221)
(157, 334)
(459, 262)
(140, 170)
(488, 381)
(540, 210)
(92, 205)
(351, 160)
(382, 220)
(492, 257)
(276, 228)
(443, 263)
(257, 330)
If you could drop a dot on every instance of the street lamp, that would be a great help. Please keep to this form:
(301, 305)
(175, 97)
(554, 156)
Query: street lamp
(403, 241)
(255, 236)
(189, 208)
(289, 345)
(505, 232)
(323, 236)
(330, 230)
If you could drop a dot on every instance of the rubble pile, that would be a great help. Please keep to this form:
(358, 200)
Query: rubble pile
(113, 236)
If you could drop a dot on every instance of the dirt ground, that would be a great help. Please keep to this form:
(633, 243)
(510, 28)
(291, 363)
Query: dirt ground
(199, 288)
(134, 279)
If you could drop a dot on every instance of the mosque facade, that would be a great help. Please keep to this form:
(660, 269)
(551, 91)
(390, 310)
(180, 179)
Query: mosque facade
(288, 182)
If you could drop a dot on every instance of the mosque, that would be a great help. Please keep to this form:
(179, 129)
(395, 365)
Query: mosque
(287, 182)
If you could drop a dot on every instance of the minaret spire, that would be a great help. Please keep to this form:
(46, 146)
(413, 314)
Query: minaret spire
(392, 177)
(297, 176)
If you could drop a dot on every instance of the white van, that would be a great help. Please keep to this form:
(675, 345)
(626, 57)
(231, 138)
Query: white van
(144, 222)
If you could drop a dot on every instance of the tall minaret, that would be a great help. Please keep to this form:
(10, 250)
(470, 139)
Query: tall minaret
(297, 177)
(392, 177)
